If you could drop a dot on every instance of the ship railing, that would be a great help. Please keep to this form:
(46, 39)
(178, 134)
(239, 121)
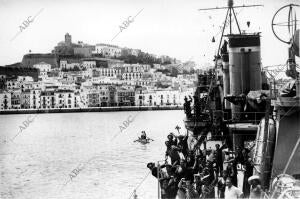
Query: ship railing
(203, 118)
(243, 117)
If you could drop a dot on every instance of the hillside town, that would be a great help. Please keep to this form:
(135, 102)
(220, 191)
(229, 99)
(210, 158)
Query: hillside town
(102, 75)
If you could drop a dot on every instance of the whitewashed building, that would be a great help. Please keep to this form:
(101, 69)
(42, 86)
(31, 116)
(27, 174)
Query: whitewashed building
(64, 99)
(25, 99)
(16, 99)
(132, 76)
(107, 50)
(43, 68)
(88, 64)
(35, 98)
(5, 100)
(108, 72)
(47, 99)
(157, 97)
(65, 65)
(12, 84)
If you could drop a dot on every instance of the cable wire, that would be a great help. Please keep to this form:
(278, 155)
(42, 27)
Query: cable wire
(139, 184)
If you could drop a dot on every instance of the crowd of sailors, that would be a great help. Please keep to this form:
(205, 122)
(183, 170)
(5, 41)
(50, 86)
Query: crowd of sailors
(202, 173)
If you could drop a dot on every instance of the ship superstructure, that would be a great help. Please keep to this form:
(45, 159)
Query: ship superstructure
(235, 102)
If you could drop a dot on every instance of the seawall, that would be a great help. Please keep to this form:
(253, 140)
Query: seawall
(90, 109)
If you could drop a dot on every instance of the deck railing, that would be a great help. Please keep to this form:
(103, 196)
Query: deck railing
(243, 117)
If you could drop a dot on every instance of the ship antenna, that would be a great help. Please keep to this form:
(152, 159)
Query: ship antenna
(292, 40)
(229, 16)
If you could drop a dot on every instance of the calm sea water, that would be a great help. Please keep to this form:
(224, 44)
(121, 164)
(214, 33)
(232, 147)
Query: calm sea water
(38, 162)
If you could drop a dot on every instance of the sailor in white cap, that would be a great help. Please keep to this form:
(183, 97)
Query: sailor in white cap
(256, 191)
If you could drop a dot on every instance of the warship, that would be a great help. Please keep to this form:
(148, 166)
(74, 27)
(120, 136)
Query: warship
(237, 101)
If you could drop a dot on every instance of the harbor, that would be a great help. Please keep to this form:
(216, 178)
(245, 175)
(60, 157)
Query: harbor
(91, 109)
(98, 119)
(39, 161)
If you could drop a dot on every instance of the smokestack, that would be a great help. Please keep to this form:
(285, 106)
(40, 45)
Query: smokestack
(244, 66)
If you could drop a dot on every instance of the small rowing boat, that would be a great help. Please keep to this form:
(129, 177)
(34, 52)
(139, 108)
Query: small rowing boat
(144, 141)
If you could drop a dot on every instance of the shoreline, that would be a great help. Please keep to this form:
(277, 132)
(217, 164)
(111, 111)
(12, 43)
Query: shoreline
(90, 109)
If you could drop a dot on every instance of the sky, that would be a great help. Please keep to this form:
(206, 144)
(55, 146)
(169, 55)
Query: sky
(163, 27)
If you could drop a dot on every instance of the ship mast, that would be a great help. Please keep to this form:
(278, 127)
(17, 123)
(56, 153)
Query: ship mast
(230, 15)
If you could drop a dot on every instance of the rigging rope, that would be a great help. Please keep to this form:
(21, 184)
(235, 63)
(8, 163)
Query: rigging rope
(139, 184)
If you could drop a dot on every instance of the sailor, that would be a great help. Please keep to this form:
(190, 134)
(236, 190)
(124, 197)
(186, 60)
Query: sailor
(189, 189)
(153, 168)
(171, 139)
(221, 184)
(172, 152)
(248, 166)
(219, 158)
(231, 191)
(187, 106)
(256, 191)
(143, 135)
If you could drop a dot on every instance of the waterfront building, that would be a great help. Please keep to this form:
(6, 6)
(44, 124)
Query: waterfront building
(12, 84)
(144, 97)
(25, 99)
(125, 96)
(104, 95)
(112, 97)
(5, 100)
(93, 98)
(16, 99)
(35, 98)
(167, 97)
(47, 99)
(64, 99)
(83, 94)
(78, 103)
(2, 81)
(156, 97)
(101, 95)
